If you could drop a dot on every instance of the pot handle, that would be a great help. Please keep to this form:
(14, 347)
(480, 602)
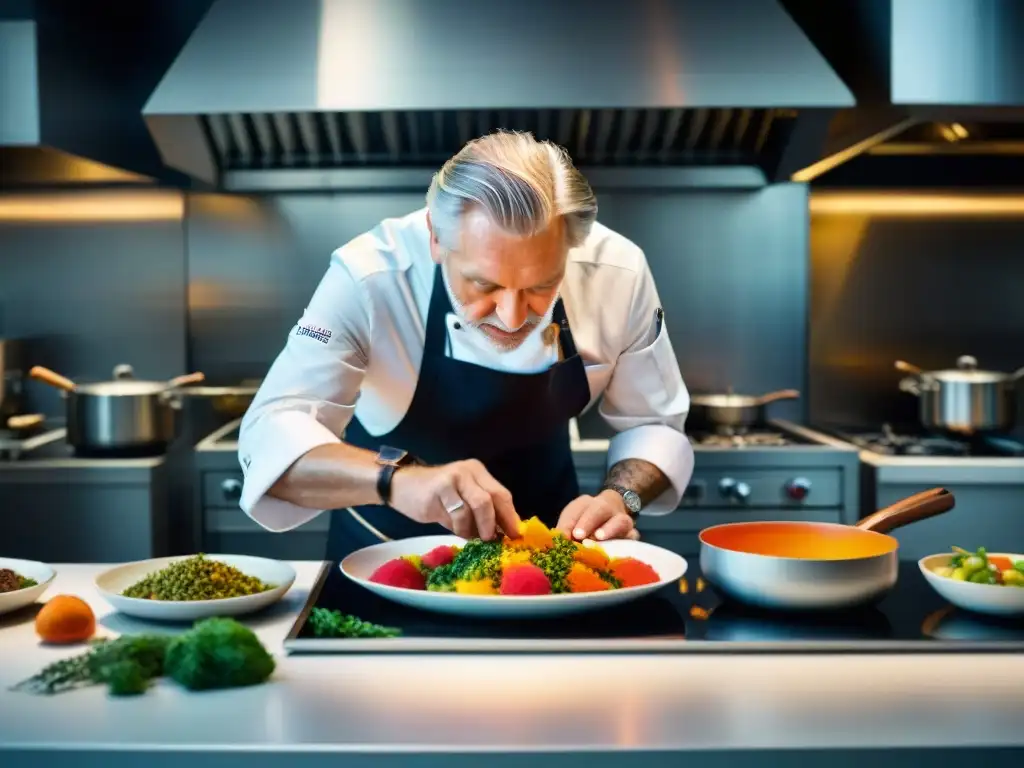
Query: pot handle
(52, 378)
(920, 506)
(913, 386)
(905, 367)
(189, 378)
(782, 394)
(1018, 374)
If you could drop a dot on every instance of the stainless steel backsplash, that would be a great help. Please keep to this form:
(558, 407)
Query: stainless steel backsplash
(226, 277)
(91, 279)
(919, 277)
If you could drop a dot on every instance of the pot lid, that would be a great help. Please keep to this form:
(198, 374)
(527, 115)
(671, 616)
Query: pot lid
(725, 401)
(122, 387)
(124, 383)
(967, 372)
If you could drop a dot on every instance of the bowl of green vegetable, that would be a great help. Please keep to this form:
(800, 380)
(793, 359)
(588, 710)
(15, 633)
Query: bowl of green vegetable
(984, 582)
(22, 582)
(188, 588)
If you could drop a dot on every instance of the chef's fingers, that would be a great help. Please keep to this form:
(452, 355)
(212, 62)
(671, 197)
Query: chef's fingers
(634, 535)
(454, 514)
(617, 527)
(571, 514)
(504, 512)
(463, 523)
(596, 514)
(480, 505)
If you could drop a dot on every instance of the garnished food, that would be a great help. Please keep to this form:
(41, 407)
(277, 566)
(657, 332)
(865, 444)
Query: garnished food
(215, 653)
(400, 573)
(524, 579)
(11, 581)
(65, 619)
(981, 568)
(196, 578)
(328, 623)
(540, 562)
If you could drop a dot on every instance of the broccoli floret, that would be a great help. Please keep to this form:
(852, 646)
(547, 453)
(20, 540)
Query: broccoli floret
(556, 562)
(476, 560)
(125, 678)
(217, 653)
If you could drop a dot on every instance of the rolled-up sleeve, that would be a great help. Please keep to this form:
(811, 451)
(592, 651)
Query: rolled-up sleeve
(646, 401)
(307, 398)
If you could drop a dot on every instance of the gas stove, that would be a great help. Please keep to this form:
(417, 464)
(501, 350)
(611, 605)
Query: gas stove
(744, 439)
(47, 439)
(986, 475)
(913, 442)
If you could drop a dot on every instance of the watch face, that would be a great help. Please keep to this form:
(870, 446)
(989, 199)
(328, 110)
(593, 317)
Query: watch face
(389, 455)
(632, 501)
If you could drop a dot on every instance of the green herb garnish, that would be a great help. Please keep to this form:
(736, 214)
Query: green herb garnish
(328, 623)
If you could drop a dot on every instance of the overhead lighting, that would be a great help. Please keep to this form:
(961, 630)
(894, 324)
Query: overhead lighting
(915, 204)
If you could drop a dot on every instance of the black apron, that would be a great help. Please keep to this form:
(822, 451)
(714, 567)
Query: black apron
(516, 424)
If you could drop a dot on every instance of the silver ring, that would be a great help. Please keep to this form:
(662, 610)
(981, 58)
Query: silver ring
(451, 510)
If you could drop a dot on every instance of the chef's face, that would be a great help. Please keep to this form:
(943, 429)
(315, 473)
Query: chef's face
(504, 284)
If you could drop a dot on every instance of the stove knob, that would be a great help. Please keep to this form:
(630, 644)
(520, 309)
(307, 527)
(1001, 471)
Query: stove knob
(798, 489)
(730, 489)
(232, 489)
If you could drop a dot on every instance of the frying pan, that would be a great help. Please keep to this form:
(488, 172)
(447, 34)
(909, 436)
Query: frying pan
(813, 566)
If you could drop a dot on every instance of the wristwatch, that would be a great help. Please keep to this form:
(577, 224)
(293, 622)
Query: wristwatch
(630, 498)
(390, 459)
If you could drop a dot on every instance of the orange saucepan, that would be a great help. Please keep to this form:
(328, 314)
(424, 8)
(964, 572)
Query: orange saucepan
(813, 566)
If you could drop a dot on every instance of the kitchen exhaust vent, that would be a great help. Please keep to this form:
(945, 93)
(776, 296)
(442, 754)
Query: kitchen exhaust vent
(612, 137)
(272, 85)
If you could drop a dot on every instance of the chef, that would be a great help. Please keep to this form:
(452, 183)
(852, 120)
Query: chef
(432, 380)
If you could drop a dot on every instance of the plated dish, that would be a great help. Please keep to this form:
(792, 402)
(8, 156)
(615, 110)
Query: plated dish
(540, 574)
(22, 582)
(981, 581)
(196, 586)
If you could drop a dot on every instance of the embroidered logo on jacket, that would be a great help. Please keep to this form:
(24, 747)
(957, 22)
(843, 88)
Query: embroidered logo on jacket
(322, 335)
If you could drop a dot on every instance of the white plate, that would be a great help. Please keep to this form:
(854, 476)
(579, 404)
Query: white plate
(113, 582)
(30, 569)
(990, 599)
(359, 566)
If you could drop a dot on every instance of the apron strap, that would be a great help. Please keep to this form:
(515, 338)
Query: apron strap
(437, 314)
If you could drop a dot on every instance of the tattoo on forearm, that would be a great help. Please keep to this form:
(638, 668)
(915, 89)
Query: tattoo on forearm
(641, 477)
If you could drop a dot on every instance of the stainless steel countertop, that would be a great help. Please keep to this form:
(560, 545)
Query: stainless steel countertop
(563, 709)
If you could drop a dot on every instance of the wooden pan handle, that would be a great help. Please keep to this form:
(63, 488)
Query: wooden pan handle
(905, 367)
(52, 378)
(920, 506)
(782, 394)
(189, 378)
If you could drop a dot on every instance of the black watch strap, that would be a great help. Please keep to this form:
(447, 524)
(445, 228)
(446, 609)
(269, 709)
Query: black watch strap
(390, 459)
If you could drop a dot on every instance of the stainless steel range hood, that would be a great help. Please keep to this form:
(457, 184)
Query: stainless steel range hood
(264, 86)
(73, 77)
(933, 78)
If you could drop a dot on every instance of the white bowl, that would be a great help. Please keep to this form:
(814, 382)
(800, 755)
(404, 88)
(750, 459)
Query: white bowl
(360, 565)
(30, 569)
(990, 599)
(113, 582)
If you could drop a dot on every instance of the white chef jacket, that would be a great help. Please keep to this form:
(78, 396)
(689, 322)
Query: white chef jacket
(357, 350)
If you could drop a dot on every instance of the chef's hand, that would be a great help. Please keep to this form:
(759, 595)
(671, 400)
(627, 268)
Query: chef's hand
(598, 517)
(461, 496)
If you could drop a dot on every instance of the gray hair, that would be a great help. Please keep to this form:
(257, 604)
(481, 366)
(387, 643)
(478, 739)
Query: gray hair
(521, 183)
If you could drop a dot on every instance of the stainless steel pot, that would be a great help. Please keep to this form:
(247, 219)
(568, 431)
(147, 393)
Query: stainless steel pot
(122, 415)
(734, 411)
(964, 399)
(794, 565)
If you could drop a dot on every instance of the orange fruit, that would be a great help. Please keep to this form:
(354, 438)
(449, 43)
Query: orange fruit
(65, 619)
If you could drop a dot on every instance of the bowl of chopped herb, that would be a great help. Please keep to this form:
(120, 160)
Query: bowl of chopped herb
(541, 574)
(188, 588)
(22, 582)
